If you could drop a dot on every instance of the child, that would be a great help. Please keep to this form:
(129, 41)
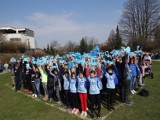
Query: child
(66, 88)
(17, 77)
(94, 92)
(44, 82)
(82, 90)
(28, 78)
(73, 92)
(57, 84)
(37, 81)
(111, 84)
(50, 85)
(134, 75)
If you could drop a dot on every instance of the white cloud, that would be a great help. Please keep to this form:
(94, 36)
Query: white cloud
(62, 27)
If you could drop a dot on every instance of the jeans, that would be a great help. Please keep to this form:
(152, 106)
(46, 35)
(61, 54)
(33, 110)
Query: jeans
(44, 84)
(125, 90)
(133, 81)
(17, 83)
(37, 85)
(58, 94)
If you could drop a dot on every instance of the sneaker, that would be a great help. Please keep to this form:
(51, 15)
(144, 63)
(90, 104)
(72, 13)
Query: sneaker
(113, 108)
(76, 111)
(92, 116)
(129, 103)
(73, 110)
(35, 96)
(85, 114)
(45, 98)
(59, 103)
(98, 116)
(109, 108)
(132, 92)
(51, 99)
(82, 113)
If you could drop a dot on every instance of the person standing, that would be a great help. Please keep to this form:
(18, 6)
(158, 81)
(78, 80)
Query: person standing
(112, 81)
(82, 90)
(17, 77)
(94, 93)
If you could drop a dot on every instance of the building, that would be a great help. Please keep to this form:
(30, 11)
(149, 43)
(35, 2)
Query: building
(19, 35)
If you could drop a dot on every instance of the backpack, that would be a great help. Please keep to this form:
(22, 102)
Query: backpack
(144, 93)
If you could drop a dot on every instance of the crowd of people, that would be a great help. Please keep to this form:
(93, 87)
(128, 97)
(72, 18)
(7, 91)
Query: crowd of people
(78, 81)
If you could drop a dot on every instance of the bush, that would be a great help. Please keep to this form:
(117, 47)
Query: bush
(12, 47)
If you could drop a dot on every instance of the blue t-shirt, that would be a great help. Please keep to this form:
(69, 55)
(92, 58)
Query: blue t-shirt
(82, 85)
(66, 83)
(111, 80)
(73, 85)
(94, 88)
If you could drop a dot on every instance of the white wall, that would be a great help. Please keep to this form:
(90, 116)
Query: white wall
(23, 38)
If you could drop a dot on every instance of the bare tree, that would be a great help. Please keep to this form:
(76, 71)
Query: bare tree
(70, 46)
(54, 44)
(139, 20)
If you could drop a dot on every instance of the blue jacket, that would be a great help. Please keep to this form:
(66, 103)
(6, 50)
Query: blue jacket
(133, 68)
(82, 85)
(66, 83)
(111, 81)
(73, 85)
(94, 87)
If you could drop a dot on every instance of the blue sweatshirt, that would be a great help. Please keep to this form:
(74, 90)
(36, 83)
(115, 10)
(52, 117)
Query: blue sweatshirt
(82, 85)
(93, 85)
(111, 80)
(66, 83)
(133, 68)
(73, 85)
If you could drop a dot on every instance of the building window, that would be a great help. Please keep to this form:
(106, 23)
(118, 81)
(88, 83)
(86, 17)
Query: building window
(15, 39)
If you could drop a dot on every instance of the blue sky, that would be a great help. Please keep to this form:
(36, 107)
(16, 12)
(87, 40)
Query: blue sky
(62, 20)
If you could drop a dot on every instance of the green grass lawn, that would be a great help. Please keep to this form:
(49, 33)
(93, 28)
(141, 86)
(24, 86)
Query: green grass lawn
(17, 106)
